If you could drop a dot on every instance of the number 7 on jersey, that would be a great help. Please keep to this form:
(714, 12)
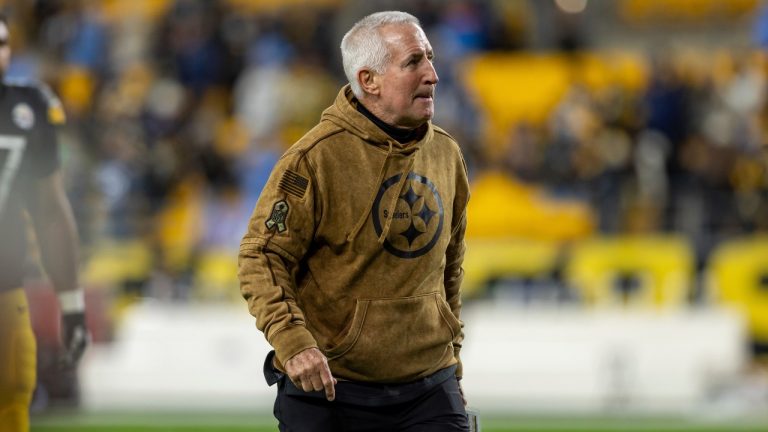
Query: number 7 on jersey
(12, 148)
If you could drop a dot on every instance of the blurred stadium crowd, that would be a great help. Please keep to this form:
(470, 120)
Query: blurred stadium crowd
(630, 117)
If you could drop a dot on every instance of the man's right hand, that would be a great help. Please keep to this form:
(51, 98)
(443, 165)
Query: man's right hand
(309, 371)
(74, 333)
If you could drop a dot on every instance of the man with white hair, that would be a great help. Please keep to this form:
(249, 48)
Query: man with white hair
(352, 259)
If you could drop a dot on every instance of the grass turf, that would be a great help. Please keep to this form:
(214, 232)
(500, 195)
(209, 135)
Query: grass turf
(237, 422)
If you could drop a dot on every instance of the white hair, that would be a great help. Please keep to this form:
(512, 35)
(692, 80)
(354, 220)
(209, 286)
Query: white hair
(363, 46)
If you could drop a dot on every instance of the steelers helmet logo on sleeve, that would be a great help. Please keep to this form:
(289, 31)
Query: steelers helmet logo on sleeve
(417, 217)
(23, 116)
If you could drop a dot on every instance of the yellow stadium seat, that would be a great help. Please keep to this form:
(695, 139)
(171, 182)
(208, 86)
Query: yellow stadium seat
(637, 271)
(738, 277)
(491, 258)
(114, 262)
(504, 208)
(268, 6)
(179, 224)
(510, 89)
(114, 11)
(215, 276)
(686, 11)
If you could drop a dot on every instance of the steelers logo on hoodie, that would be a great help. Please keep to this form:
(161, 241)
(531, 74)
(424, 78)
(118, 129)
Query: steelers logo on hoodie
(412, 213)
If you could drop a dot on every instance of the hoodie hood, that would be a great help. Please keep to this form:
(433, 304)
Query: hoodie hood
(344, 114)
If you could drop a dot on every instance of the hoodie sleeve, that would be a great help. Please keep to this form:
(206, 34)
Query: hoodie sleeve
(279, 234)
(454, 257)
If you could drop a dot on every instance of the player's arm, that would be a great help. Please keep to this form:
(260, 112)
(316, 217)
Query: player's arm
(57, 239)
(279, 234)
(56, 233)
(55, 227)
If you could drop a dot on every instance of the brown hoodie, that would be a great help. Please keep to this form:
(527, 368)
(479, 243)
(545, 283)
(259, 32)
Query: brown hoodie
(355, 247)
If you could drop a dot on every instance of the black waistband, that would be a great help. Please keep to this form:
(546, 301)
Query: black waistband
(362, 393)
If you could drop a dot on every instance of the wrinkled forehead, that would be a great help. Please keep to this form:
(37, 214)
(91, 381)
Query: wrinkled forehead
(404, 36)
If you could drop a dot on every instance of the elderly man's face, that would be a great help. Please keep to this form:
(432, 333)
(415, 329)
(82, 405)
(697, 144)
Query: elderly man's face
(408, 82)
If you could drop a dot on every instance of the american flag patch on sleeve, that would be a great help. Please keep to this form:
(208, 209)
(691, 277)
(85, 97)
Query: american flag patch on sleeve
(294, 183)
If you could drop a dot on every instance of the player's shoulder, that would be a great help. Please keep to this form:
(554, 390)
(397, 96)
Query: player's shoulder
(25, 87)
(39, 95)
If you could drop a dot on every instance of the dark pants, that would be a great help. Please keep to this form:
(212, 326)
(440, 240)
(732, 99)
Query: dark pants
(440, 409)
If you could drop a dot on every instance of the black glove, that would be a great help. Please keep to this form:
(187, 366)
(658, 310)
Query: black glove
(74, 338)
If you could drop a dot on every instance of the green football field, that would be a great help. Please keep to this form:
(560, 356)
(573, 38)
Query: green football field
(236, 422)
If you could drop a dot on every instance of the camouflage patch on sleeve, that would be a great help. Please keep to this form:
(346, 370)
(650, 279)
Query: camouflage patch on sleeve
(277, 220)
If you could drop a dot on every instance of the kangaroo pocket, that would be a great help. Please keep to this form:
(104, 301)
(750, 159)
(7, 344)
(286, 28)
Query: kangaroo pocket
(392, 340)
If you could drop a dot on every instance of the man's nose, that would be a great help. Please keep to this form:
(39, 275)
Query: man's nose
(431, 76)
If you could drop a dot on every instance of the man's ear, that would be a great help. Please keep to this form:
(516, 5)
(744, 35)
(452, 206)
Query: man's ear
(368, 81)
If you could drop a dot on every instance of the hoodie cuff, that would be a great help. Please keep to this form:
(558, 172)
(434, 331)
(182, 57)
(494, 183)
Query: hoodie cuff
(290, 341)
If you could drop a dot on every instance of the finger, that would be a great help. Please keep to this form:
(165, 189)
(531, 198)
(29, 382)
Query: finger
(330, 390)
(317, 383)
(306, 385)
(328, 382)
